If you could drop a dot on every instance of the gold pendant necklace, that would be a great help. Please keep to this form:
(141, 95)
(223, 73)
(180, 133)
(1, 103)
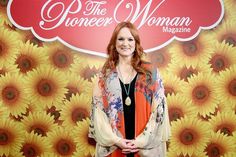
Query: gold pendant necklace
(127, 100)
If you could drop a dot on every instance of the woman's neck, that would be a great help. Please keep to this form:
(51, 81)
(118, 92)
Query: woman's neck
(125, 70)
(125, 61)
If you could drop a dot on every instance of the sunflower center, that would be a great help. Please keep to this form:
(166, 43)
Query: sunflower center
(65, 147)
(187, 72)
(30, 150)
(232, 87)
(4, 137)
(45, 87)
(188, 136)
(169, 90)
(225, 129)
(214, 150)
(91, 141)
(10, 94)
(79, 114)
(62, 59)
(25, 63)
(200, 93)
(175, 113)
(3, 3)
(218, 63)
(190, 48)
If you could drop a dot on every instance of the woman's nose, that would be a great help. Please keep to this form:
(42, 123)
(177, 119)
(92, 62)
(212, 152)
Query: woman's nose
(125, 42)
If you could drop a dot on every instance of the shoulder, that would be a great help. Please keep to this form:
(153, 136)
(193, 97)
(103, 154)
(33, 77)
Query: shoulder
(152, 69)
(148, 66)
(102, 78)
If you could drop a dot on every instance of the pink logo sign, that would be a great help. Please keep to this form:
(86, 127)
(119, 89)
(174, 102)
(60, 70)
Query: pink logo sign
(87, 25)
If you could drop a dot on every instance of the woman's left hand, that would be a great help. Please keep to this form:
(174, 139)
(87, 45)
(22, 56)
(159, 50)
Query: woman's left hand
(132, 148)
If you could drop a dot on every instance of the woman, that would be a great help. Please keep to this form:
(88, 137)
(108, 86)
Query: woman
(129, 113)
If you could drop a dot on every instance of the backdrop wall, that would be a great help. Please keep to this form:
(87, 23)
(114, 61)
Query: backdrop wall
(46, 89)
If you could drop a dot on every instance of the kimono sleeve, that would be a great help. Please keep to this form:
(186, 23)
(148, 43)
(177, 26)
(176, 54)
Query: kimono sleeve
(100, 128)
(157, 130)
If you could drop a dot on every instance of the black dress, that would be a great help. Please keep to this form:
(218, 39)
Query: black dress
(129, 111)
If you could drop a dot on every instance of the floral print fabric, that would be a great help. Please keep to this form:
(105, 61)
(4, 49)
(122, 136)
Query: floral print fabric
(152, 128)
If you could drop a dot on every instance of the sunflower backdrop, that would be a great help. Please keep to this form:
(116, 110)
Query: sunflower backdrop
(45, 93)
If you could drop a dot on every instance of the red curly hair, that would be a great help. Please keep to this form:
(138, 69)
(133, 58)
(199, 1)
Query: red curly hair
(113, 56)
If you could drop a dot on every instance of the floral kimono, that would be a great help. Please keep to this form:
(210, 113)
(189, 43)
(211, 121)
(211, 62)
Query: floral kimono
(152, 128)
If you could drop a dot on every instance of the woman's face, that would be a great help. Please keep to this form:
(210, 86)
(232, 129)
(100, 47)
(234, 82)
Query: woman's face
(125, 43)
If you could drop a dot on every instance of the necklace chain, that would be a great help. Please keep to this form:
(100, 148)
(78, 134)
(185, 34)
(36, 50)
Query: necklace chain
(126, 91)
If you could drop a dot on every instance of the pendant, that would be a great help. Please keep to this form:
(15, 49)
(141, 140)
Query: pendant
(128, 101)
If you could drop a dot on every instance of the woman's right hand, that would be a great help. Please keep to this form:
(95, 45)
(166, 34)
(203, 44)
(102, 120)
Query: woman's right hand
(127, 146)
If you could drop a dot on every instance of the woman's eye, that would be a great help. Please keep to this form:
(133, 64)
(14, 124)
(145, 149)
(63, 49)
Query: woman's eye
(120, 39)
(131, 39)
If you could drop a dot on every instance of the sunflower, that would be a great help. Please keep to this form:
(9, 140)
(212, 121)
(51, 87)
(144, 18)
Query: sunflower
(8, 68)
(30, 57)
(91, 60)
(34, 145)
(77, 85)
(234, 135)
(13, 93)
(85, 145)
(201, 93)
(83, 69)
(160, 59)
(63, 142)
(230, 12)
(8, 46)
(225, 85)
(224, 122)
(34, 108)
(60, 56)
(3, 113)
(172, 153)
(3, 12)
(13, 154)
(184, 72)
(76, 109)
(11, 136)
(192, 53)
(39, 123)
(222, 107)
(46, 85)
(178, 107)
(223, 56)
(1, 22)
(219, 145)
(94, 80)
(28, 36)
(226, 31)
(172, 84)
(189, 136)
(231, 154)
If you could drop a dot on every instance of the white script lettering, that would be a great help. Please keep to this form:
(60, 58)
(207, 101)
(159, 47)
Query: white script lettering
(60, 17)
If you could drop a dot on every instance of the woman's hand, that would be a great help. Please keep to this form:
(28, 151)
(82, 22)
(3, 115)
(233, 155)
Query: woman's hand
(127, 146)
(133, 149)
